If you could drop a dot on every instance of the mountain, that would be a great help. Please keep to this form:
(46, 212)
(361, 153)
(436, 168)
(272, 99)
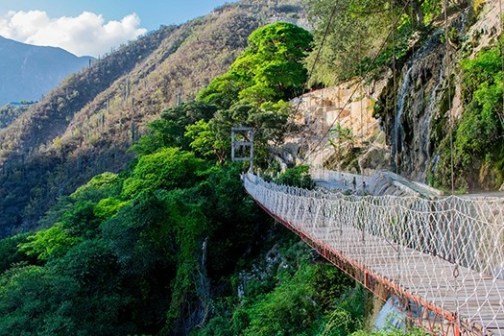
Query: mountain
(28, 72)
(85, 125)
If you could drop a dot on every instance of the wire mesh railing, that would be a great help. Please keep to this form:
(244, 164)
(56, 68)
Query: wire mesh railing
(449, 251)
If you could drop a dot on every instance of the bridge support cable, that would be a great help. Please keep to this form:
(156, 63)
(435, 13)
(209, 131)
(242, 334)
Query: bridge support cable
(408, 245)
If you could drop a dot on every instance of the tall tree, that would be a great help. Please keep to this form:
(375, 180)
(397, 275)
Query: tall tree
(269, 69)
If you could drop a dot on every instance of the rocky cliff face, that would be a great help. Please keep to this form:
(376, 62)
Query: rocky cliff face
(397, 122)
(408, 110)
(336, 128)
(426, 106)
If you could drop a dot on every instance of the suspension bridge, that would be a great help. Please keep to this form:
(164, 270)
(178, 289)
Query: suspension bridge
(444, 258)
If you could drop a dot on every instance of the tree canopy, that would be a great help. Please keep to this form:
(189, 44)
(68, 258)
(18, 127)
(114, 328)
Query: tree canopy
(361, 35)
(255, 89)
(269, 69)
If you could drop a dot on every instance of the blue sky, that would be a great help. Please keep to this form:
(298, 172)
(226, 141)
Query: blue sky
(152, 13)
(106, 24)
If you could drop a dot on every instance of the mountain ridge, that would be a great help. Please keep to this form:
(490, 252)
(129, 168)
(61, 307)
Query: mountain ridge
(29, 71)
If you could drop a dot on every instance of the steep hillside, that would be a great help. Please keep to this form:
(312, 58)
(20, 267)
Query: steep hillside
(10, 112)
(85, 126)
(29, 72)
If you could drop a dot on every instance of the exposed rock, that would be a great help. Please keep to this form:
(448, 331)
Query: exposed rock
(375, 158)
(337, 122)
(486, 29)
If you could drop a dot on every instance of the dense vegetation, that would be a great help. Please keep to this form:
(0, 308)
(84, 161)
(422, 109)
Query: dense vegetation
(358, 37)
(478, 150)
(123, 253)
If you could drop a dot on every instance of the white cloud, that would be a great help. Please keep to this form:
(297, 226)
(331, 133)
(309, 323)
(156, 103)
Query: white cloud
(86, 34)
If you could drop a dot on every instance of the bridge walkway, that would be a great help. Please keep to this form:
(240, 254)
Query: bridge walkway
(443, 257)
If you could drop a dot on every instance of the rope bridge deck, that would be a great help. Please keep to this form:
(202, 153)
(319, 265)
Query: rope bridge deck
(444, 258)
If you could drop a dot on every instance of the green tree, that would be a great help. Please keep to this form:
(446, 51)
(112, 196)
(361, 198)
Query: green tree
(10, 253)
(34, 300)
(168, 131)
(298, 176)
(477, 148)
(52, 242)
(224, 90)
(207, 141)
(353, 32)
(167, 168)
(269, 69)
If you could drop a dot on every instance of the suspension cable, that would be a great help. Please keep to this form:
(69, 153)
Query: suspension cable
(361, 98)
(448, 80)
(453, 228)
(324, 37)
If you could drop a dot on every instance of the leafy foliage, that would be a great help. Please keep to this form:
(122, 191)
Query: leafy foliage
(126, 262)
(10, 254)
(48, 243)
(268, 70)
(298, 176)
(253, 92)
(167, 168)
(289, 294)
(363, 35)
(477, 149)
(170, 129)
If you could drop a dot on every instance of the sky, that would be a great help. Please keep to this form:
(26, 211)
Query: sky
(93, 27)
